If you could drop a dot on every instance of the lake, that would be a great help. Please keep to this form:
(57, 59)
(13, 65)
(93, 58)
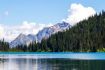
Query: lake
(52, 61)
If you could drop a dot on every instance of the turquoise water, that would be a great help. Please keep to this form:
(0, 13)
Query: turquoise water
(70, 55)
(52, 61)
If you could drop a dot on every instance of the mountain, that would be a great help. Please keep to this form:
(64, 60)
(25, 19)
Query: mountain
(46, 32)
(23, 39)
(43, 34)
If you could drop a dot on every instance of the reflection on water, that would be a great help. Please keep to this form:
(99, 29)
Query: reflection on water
(50, 64)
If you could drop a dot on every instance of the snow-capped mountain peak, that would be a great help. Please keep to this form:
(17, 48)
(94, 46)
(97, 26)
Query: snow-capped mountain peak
(46, 32)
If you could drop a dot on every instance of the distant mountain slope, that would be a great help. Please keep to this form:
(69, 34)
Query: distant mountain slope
(23, 40)
(43, 34)
(46, 32)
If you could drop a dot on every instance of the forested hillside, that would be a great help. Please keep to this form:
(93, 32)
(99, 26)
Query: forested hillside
(86, 36)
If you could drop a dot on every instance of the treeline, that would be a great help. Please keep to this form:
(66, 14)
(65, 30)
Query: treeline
(4, 46)
(87, 36)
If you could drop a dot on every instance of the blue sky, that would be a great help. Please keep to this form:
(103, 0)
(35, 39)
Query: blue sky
(41, 11)
(30, 16)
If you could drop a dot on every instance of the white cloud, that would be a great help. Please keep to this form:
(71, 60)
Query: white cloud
(78, 12)
(9, 33)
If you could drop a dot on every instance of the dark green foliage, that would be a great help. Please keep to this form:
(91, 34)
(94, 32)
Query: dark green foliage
(4, 46)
